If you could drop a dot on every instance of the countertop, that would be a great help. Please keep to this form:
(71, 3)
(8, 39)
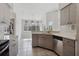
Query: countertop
(3, 41)
(68, 35)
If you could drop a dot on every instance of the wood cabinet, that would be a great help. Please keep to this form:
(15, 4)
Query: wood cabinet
(34, 40)
(68, 47)
(68, 14)
(49, 42)
(46, 41)
(5, 12)
(77, 35)
(64, 15)
(62, 5)
(42, 40)
(72, 13)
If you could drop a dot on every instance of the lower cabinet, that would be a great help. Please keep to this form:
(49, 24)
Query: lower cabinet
(49, 42)
(34, 40)
(42, 40)
(68, 47)
(46, 41)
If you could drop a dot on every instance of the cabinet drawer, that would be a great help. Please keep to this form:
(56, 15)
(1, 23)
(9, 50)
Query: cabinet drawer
(68, 51)
(69, 42)
(34, 40)
(48, 36)
(41, 36)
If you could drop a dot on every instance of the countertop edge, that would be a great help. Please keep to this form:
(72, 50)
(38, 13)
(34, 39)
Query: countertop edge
(57, 34)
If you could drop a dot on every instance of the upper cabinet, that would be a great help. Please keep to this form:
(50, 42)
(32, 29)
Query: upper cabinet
(68, 14)
(62, 5)
(6, 13)
(64, 15)
(72, 12)
(10, 5)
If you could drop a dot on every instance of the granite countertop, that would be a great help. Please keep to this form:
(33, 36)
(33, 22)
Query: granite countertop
(68, 35)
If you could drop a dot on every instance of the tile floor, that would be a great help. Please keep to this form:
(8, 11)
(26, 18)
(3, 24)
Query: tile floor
(27, 50)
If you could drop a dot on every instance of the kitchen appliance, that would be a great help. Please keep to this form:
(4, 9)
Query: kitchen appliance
(58, 45)
(4, 47)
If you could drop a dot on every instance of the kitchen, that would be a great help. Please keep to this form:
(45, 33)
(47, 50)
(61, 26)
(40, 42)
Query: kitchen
(49, 29)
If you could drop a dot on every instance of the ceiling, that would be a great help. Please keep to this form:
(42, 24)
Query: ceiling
(34, 8)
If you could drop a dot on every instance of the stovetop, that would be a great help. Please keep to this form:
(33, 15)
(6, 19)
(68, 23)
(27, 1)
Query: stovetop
(3, 41)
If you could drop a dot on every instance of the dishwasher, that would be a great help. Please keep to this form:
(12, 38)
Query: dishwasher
(58, 45)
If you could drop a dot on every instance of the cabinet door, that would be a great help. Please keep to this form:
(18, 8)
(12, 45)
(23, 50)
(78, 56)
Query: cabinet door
(46, 41)
(49, 42)
(5, 12)
(62, 5)
(34, 40)
(68, 47)
(72, 14)
(42, 40)
(64, 15)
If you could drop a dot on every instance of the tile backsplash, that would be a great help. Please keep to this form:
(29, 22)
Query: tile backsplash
(68, 28)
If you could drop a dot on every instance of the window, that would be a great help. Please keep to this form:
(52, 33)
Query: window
(31, 25)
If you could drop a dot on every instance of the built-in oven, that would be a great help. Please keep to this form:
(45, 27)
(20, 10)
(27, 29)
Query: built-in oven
(4, 47)
(58, 45)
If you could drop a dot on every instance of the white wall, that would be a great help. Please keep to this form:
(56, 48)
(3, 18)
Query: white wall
(19, 19)
(53, 17)
(36, 11)
(4, 16)
(30, 11)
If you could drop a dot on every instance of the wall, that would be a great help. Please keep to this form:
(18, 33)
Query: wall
(5, 11)
(53, 17)
(36, 11)
(4, 16)
(28, 11)
(19, 19)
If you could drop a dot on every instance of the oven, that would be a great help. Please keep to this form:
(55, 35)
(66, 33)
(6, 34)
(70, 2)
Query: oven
(4, 47)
